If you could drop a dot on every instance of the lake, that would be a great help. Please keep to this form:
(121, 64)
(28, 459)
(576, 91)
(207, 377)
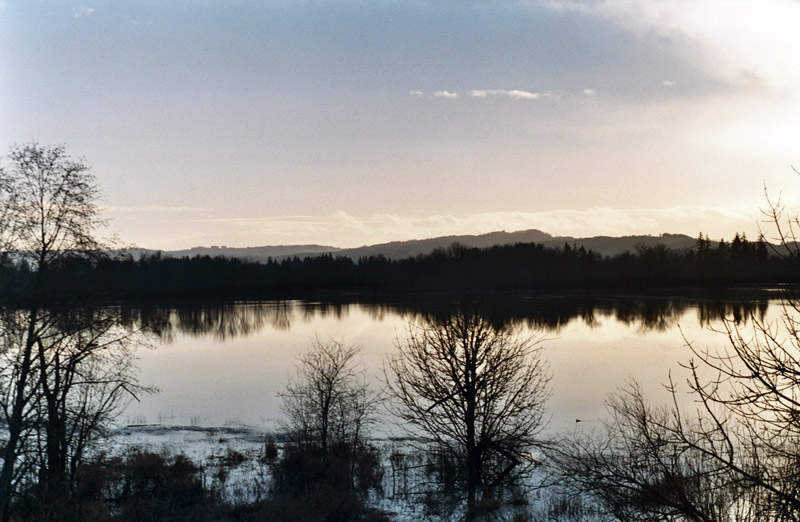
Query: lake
(224, 364)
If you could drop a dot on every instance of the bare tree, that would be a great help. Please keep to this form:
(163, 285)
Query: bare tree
(8, 198)
(636, 468)
(86, 369)
(328, 407)
(49, 349)
(475, 391)
(328, 402)
(750, 424)
(738, 456)
(49, 212)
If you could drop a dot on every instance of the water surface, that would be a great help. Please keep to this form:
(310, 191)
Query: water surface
(225, 364)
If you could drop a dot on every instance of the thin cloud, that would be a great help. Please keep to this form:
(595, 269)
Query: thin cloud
(522, 95)
(446, 94)
(415, 93)
(515, 94)
(669, 83)
(80, 12)
(589, 92)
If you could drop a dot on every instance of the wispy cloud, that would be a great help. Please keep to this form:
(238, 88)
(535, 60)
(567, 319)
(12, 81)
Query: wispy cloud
(589, 92)
(515, 94)
(669, 83)
(446, 94)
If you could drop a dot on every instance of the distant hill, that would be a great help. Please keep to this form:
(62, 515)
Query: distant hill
(413, 248)
(605, 245)
(611, 246)
(261, 253)
(256, 253)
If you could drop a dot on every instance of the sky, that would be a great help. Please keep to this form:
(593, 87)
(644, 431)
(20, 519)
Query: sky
(352, 122)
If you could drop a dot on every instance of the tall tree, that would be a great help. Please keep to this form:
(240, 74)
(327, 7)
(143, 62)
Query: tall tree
(50, 216)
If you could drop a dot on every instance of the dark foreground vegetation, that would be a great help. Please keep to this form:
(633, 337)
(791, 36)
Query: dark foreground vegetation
(146, 486)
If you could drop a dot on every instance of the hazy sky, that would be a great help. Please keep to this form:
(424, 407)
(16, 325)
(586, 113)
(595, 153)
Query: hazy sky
(347, 122)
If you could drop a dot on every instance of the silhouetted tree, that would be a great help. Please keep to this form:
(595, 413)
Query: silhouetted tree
(328, 407)
(738, 457)
(635, 467)
(86, 371)
(328, 402)
(55, 396)
(475, 391)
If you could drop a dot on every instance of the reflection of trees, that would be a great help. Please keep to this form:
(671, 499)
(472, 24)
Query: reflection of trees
(312, 309)
(222, 321)
(229, 320)
(157, 320)
(740, 313)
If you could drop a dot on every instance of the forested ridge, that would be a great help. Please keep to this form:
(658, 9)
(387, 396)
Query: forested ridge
(522, 266)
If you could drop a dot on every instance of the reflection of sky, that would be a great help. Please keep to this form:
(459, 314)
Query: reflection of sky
(210, 381)
(351, 122)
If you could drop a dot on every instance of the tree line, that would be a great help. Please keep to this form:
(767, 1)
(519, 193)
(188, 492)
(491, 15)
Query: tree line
(516, 267)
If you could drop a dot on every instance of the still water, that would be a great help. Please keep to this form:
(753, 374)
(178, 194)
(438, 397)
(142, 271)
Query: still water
(225, 364)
